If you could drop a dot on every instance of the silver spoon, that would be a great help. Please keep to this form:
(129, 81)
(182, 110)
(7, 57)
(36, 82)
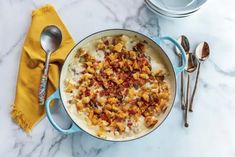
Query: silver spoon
(202, 53)
(51, 38)
(183, 40)
(191, 67)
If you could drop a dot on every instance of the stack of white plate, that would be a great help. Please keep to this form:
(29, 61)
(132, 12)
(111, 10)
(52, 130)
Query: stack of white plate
(175, 8)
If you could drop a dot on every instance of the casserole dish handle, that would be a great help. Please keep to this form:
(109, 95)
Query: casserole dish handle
(181, 68)
(72, 129)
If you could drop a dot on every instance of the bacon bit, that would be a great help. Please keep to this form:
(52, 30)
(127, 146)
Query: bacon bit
(103, 75)
(139, 47)
(126, 84)
(102, 93)
(118, 119)
(129, 124)
(156, 100)
(87, 92)
(132, 112)
(160, 78)
(106, 42)
(103, 116)
(100, 83)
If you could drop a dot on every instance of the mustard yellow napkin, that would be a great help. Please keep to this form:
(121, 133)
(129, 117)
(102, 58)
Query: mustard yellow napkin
(26, 111)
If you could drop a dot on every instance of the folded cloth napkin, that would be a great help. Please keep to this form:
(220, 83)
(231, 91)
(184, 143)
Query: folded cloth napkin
(26, 111)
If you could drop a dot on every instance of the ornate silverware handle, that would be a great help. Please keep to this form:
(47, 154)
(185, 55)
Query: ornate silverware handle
(43, 83)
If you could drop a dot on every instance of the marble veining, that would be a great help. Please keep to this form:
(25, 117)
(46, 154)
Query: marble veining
(17, 43)
(211, 130)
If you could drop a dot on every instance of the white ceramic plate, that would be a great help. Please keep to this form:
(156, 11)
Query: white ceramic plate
(177, 7)
(165, 14)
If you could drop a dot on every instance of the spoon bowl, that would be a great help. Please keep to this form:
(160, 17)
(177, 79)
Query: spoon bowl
(192, 63)
(202, 51)
(184, 42)
(51, 38)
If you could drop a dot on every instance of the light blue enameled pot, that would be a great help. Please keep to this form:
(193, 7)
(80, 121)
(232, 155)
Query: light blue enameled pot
(152, 41)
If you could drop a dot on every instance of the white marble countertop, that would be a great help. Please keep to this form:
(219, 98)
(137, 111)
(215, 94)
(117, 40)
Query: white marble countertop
(212, 128)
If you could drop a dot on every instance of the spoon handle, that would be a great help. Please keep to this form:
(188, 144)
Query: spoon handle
(43, 83)
(186, 103)
(195, 88)
(182, 88)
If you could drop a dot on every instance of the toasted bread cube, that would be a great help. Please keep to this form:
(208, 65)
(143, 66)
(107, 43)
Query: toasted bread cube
(112, 100)
(100, 65)
(129, 62)
(108, 107)
(88, 63)
(101, 45)
(164, 95)
(115, 109)
(157, 108)
(113, 56)
(122, 114)
(94, 120)
(90, 70)
(102, 101)
(163, 103)
(144, 76)
(69, 87)
(85, 100)
(131, 92)
(136, 75)
(146, 69)
(150, 121)
(118, 47)
(90, 113)
(79, 105)
(121, 63)
(133, 54)
(120, 81)
(101, 132)
(108, 71)
(80, 52)
(86, 76)
(120, 126)
(135, 65)
(145, 96)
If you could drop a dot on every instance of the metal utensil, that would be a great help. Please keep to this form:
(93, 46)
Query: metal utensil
(183, 40)
(202, 53)
(51, 38)
(191, 67)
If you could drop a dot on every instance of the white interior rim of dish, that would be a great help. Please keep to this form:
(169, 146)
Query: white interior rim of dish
(112, 32)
